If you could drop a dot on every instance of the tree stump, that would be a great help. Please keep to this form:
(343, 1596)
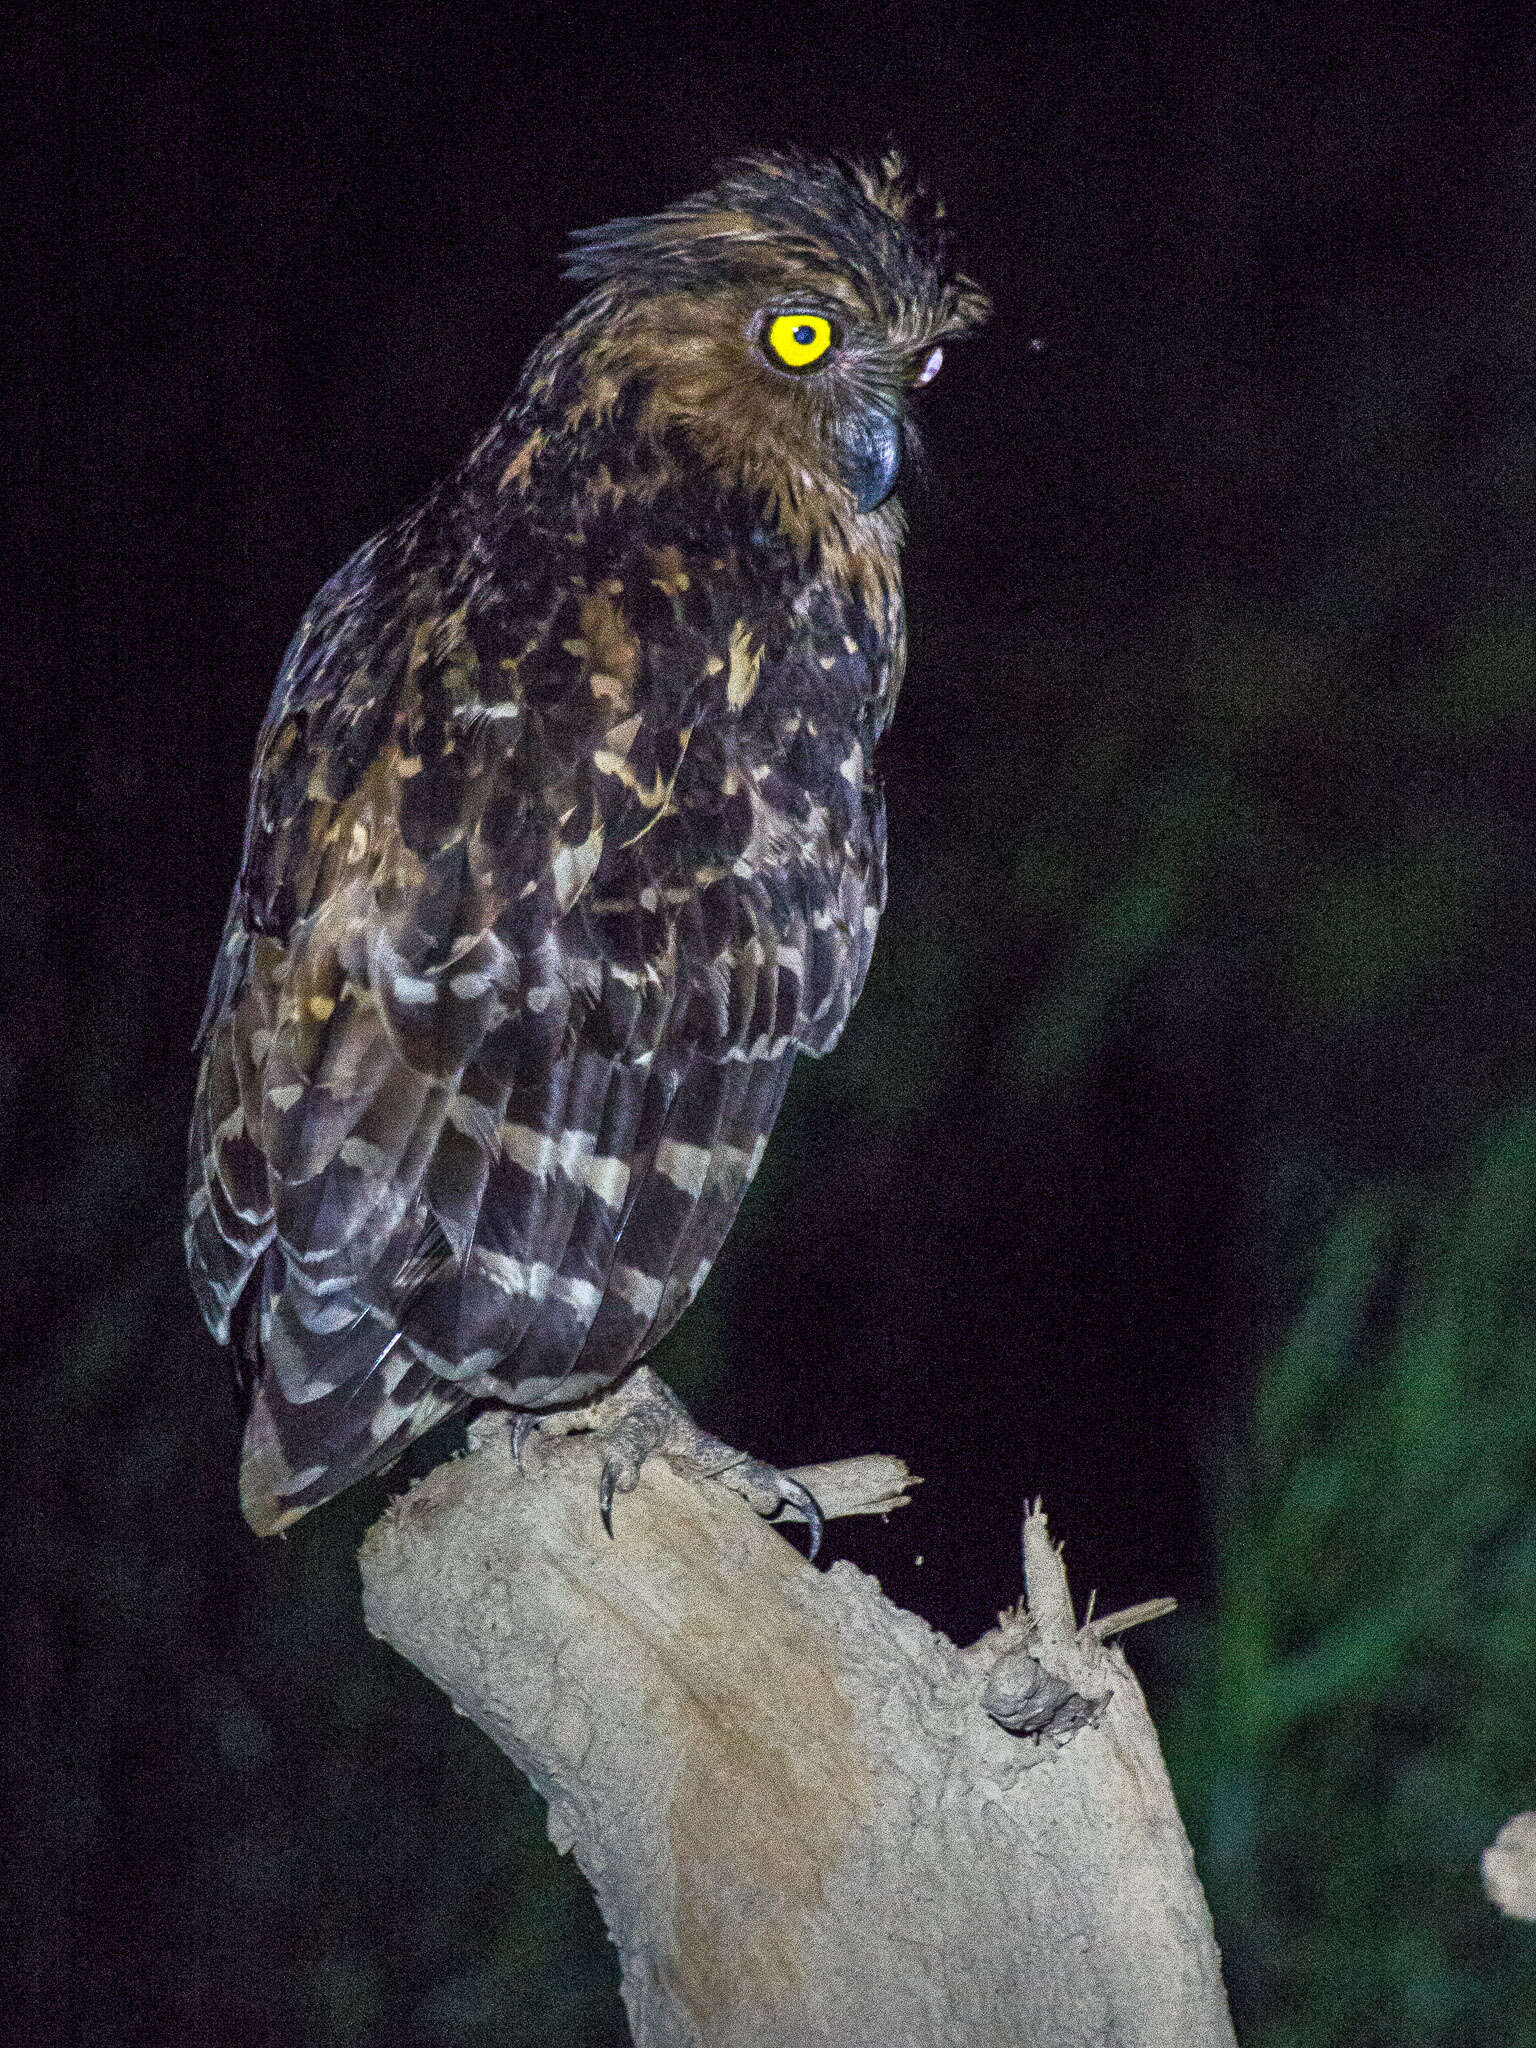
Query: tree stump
(808, 1818)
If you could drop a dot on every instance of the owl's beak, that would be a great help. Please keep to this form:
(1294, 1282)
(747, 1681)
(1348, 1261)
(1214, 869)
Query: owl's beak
(869, 456)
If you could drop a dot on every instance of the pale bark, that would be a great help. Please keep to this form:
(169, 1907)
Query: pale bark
(1509, 1868)
(801, 1820)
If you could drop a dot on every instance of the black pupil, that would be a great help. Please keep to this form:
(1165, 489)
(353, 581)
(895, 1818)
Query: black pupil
(805, 335)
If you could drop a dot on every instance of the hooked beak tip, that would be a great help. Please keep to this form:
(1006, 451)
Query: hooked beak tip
(869, 458)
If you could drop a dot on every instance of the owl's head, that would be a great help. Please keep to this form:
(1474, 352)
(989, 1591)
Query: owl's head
(781, 321)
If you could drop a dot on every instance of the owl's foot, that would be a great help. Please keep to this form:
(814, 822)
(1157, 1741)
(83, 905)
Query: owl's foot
(643, 1416)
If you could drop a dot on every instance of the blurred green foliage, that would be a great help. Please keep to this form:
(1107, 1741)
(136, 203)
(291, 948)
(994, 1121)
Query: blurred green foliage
(1280, 828)
(1296, 828)
(1361, 1718)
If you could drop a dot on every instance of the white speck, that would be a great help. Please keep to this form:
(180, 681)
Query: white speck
(365, 1158)
(607, 1178)
(580, 1294)
(639, 1290)
(684, 1165)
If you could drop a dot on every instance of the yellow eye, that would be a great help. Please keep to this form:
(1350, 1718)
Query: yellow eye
(798, 341)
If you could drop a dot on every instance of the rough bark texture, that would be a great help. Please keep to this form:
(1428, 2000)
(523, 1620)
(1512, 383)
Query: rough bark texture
(801, 1821)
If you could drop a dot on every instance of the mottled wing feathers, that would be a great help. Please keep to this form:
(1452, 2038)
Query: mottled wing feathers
(520, 956)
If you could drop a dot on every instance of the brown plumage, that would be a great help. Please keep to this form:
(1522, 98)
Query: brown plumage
(563, 836)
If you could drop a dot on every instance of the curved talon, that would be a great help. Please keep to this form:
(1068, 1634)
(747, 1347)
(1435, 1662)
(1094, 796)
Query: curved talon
(523, 1426)
(806, 1501)
(605, 1491)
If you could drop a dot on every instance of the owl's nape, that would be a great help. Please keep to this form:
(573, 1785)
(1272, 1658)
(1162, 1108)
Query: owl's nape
(564, 841)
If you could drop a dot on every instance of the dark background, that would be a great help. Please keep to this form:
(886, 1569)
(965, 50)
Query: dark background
(1177, 1165)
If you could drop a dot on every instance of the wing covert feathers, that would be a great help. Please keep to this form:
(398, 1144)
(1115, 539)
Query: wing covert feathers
(505, 1010)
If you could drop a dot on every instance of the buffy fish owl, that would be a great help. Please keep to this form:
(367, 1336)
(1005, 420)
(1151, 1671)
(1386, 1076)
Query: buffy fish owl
(564, 838)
